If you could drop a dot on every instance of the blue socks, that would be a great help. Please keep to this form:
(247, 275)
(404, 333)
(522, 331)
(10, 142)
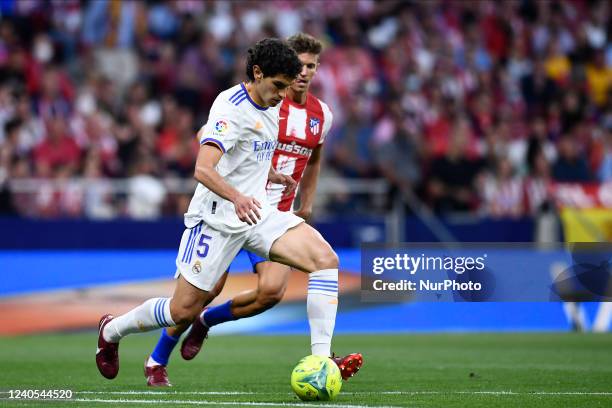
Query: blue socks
(164, 348)
(218, 314)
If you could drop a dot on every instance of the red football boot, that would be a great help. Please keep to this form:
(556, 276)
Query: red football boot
(193, 341)
(348, 365)
(156, 375)
(107, 355)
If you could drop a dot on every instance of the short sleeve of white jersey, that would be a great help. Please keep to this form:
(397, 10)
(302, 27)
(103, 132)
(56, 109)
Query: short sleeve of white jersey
(328, 118)
(222, 127)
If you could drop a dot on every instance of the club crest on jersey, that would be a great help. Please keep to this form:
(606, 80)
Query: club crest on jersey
(221, 126)
(314, 126)
(197, 268)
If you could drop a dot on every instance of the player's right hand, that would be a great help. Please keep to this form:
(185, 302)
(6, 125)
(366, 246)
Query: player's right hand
(247, 209)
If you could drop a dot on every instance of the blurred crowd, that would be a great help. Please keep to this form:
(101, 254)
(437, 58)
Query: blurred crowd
(476, 106)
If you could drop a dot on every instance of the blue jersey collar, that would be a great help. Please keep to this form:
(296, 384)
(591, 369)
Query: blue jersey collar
(251, 100)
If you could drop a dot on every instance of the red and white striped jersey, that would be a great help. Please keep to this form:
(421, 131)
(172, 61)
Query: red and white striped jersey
(301, 128)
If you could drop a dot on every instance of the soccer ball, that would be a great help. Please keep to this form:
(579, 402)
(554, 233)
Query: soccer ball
(316, 378)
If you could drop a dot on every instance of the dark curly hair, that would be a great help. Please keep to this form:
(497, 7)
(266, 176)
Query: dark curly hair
(273, 57)
(305, 43)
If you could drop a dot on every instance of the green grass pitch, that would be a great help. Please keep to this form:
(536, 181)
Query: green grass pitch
(442, 370)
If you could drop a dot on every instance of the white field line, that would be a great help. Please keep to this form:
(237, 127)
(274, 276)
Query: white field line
(175, 393)
(486, 393)
(240, 403)
(179, 393)
(230, 393)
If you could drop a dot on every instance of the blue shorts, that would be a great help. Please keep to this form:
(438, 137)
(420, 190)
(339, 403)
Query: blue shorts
(254, 258)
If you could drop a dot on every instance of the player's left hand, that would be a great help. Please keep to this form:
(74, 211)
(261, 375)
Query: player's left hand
(287, 181)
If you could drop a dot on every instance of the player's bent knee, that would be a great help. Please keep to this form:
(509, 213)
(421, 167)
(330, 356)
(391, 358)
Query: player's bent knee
(270, 293)
(184, 314)
(269, 298)
(326, 259)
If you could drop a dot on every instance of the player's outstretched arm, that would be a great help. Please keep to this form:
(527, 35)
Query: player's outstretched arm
(208, 157)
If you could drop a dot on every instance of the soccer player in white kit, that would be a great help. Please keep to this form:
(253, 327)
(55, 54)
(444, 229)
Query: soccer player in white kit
(229, 209)
(303, 124)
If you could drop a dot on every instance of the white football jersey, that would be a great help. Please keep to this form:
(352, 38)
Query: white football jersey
(247, 135)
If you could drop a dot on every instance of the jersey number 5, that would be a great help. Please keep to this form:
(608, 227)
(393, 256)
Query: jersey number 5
(203, 245)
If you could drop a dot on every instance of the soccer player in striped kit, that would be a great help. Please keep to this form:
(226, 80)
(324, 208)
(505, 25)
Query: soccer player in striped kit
(304, 121)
